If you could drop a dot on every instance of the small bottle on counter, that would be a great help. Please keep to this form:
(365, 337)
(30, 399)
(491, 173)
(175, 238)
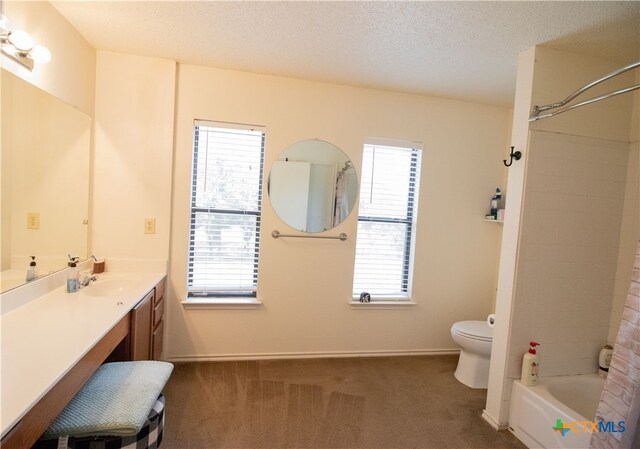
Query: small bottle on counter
(72, 275)
(32, 271)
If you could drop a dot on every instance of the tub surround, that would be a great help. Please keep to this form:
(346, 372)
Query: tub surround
(44, 335)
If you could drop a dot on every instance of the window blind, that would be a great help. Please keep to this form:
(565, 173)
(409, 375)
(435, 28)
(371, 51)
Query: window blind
(386, 221)
(226, 200)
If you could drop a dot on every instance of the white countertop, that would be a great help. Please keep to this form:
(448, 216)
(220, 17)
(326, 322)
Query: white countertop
(11, 279)
(45, 337)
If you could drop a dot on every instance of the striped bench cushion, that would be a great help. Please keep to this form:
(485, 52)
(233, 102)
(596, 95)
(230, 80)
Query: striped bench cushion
(149, 437)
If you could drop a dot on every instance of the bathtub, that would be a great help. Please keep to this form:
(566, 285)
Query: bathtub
(534, 411)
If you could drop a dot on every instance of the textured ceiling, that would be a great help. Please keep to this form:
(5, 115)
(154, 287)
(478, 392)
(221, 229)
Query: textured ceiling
(463, 50)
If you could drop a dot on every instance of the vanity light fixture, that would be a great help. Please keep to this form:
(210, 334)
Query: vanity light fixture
(19, 45)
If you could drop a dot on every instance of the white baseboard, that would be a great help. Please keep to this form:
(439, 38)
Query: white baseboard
(494, 422)
(307, 355)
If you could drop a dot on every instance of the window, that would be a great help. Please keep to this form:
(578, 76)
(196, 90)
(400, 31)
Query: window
(387, 221)
(226, 199)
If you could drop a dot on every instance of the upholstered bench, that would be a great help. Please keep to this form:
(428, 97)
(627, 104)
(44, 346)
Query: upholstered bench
(120, 406)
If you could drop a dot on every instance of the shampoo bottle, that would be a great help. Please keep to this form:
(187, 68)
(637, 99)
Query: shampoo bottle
(72, 275)
(495, 203)
(32, 271)
(530, 366)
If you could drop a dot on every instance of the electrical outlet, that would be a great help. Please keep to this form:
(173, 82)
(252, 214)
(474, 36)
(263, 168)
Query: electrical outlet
(33, 220)
(149, 225)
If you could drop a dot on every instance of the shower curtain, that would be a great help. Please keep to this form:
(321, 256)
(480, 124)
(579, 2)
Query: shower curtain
(342, 198)
(620, 400)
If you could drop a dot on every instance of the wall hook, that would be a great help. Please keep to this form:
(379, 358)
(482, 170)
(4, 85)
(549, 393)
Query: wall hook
(513, 155)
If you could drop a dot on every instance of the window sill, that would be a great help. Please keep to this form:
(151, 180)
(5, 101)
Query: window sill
(222, 303)
(382, 304)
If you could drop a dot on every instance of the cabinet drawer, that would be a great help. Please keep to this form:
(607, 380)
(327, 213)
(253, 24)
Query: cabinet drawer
(160, 289)
(157, 341)
(158, 313)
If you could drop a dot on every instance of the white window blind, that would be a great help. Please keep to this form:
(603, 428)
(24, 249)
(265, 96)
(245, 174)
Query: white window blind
(226, 200)
(386, 221)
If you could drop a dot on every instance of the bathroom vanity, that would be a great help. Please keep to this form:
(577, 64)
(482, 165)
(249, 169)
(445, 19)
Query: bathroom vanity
(53, 343)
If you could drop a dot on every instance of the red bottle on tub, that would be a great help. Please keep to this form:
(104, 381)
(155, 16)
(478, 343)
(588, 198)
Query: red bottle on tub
(530, 366)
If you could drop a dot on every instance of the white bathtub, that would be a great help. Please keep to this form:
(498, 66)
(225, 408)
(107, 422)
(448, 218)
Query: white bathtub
(534, 411)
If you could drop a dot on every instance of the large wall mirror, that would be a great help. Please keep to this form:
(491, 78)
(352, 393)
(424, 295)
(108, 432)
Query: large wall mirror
(313, 186)
(45, 149)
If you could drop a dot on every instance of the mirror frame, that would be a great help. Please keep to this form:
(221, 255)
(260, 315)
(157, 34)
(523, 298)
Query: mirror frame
(312, 186)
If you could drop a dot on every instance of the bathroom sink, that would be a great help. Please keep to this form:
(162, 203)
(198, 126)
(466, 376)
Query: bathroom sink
(110, 287)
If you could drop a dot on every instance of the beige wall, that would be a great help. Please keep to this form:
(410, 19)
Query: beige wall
(305, 285)
(132, 156)
(70, 75)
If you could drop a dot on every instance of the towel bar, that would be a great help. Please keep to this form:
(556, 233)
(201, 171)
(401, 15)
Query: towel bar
(342, 236)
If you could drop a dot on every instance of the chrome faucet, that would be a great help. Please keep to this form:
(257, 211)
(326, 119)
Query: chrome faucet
(86, 279)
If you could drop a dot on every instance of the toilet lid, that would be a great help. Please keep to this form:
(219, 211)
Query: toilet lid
(478, 330)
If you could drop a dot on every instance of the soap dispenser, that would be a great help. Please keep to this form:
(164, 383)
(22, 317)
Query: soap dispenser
(32, 271)
(72, 275)
(530, 366)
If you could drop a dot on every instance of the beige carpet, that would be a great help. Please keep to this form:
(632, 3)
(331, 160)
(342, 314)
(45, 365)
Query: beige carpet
(386, 402)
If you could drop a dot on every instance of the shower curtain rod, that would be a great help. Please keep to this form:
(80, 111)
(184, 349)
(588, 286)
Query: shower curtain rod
(537, 110)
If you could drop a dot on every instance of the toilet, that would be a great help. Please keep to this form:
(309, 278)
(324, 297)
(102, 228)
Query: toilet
(474, 339)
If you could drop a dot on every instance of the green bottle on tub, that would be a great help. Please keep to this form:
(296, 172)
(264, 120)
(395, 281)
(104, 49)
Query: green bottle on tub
(530, 366)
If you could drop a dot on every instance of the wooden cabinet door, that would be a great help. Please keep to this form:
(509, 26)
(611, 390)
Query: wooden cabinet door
(157, 341)
(141, 329)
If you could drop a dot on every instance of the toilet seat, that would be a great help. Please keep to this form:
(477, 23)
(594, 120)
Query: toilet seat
(476, 330)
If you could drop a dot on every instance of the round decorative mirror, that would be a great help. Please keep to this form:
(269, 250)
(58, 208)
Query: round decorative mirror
(313, 186)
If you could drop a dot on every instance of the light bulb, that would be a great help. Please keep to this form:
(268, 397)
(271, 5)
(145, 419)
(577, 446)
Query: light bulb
(21, 40)
(4, 24)
(41, 54)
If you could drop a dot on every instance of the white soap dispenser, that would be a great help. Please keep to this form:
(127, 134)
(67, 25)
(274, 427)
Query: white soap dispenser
(32, 271)
(530, 366)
